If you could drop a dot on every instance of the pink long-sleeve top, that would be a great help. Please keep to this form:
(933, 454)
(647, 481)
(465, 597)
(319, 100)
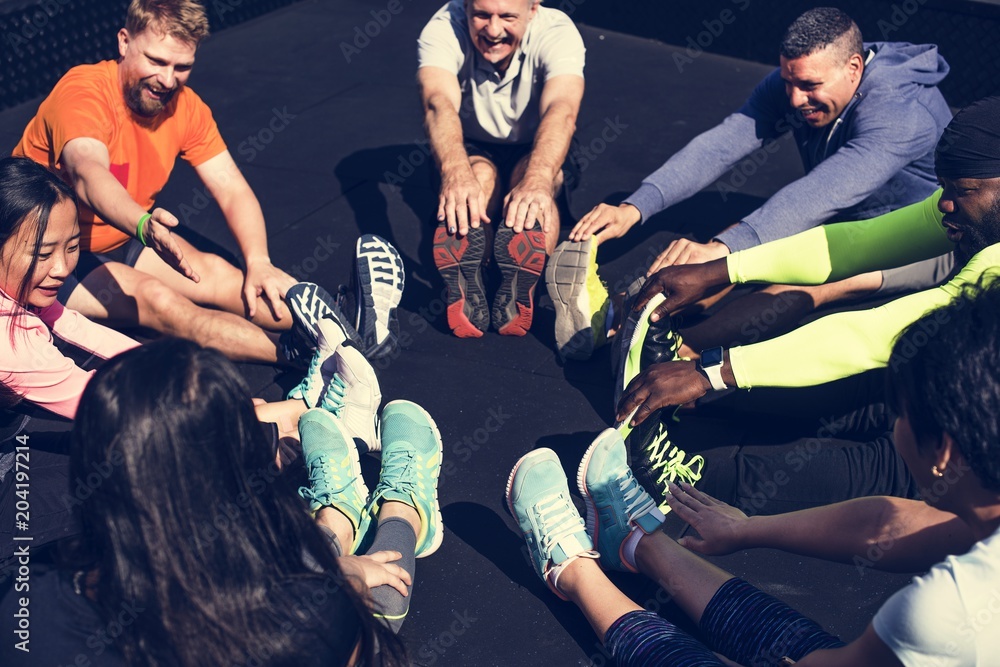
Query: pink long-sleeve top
(33, 367)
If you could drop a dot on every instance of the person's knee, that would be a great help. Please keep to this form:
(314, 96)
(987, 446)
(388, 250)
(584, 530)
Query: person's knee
(160, 306)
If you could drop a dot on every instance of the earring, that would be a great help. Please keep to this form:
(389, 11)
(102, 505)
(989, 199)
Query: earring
(936, 472)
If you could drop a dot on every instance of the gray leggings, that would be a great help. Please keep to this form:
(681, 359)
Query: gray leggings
(392, 534)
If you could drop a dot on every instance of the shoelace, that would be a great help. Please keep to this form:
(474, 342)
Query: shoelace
(670, 462)
(554, 510)
(321, 471)
(396, 474)
(637, 501)
(335, 394)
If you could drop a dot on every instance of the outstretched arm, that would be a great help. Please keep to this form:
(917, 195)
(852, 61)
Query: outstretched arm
(532, 198)
(87, 163)
(878, 532)
(245, 219)
(461, 202)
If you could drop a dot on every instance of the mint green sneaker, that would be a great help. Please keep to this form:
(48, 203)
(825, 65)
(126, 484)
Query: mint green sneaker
(616, 503)
(411, 465)
(333, 467)
(538, 497)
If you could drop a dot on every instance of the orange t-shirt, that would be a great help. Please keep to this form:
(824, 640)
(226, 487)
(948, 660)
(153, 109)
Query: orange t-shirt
(88, 102)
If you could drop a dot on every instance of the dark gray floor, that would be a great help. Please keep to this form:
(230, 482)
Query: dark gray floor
(344, 126)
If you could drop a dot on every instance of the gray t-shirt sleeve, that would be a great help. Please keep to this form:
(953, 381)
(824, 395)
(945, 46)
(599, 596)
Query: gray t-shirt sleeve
(560, 48)
(440, 42)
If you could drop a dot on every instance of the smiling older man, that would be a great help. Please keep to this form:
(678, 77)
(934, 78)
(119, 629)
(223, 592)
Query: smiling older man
(501, 83)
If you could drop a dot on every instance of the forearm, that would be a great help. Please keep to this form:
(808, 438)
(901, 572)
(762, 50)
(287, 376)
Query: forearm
(246, 223)
(444, 131)
(884, 533)
(100, 190)
(840, 250)
(552, 142)
(696, 166)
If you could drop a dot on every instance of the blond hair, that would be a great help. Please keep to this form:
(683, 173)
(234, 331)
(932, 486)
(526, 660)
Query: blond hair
(184, 20)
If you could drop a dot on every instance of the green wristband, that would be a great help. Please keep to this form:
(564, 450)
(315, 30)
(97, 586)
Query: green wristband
(138, 228)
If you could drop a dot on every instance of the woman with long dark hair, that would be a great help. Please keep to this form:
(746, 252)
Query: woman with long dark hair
(191, 554)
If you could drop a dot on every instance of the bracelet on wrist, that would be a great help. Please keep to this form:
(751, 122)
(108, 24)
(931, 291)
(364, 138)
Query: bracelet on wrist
(139, 231)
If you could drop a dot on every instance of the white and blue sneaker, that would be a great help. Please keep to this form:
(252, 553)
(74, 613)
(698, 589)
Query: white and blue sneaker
(616, 502)
(353, 396)
(538, 497)
(332, 333)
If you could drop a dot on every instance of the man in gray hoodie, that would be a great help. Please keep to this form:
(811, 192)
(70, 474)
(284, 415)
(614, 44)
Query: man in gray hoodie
(865, 118)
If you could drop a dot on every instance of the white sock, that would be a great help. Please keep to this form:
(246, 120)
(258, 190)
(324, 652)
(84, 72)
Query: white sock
(629, 545)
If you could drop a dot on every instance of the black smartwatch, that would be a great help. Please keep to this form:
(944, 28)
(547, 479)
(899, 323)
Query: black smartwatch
(710, 365)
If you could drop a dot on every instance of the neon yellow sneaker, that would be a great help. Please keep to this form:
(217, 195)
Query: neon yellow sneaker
(580, 297)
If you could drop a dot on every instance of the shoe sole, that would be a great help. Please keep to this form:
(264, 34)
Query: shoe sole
(623, 372)
(371, 438)
(380, 282)
(459, 261)
(566, 280)
(439, 538)
(593, 524)
(521, 259)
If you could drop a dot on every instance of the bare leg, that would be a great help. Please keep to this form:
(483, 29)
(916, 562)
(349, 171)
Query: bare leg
(337, 522)
(585, 584)
(124, 296)
(221, 285)
(773, 311)
(690, 579)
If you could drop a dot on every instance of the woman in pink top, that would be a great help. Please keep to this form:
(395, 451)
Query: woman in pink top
(39, 248)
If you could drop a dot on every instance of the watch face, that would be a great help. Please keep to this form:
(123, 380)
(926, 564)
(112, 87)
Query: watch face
(711, 357)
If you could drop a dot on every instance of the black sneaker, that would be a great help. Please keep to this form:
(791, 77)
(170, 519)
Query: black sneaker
(309, 304)
(459, 259)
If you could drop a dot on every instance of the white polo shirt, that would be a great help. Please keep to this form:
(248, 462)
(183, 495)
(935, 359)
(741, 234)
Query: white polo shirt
(502, 108)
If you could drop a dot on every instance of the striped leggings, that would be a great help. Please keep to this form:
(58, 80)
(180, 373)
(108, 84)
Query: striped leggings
(740, 622)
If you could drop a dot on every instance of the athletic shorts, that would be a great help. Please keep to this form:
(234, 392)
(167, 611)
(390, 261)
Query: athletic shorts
(127, 254)
(506, 157)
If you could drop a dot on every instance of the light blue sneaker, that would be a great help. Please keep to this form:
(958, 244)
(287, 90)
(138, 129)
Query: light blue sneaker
(538, 497)
(411, 465)
(333, 467)
(616, 502)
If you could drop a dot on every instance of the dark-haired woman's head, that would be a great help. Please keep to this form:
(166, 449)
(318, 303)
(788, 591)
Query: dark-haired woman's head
(185, 515)
(39, 234)
(944, 381)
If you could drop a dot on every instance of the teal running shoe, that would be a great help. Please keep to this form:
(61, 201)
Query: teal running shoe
(538, 497)
(616, 503)
(411, 465)
(333, 467)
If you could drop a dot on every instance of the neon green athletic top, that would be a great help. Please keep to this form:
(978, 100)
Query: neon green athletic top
(845, 344)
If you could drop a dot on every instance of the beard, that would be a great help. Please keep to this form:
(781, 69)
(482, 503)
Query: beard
(144, 106)
(980, 236)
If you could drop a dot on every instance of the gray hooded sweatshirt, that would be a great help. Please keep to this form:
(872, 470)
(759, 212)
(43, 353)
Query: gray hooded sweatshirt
(877, 156)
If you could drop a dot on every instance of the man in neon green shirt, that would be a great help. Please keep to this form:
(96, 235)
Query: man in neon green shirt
(964, 216)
